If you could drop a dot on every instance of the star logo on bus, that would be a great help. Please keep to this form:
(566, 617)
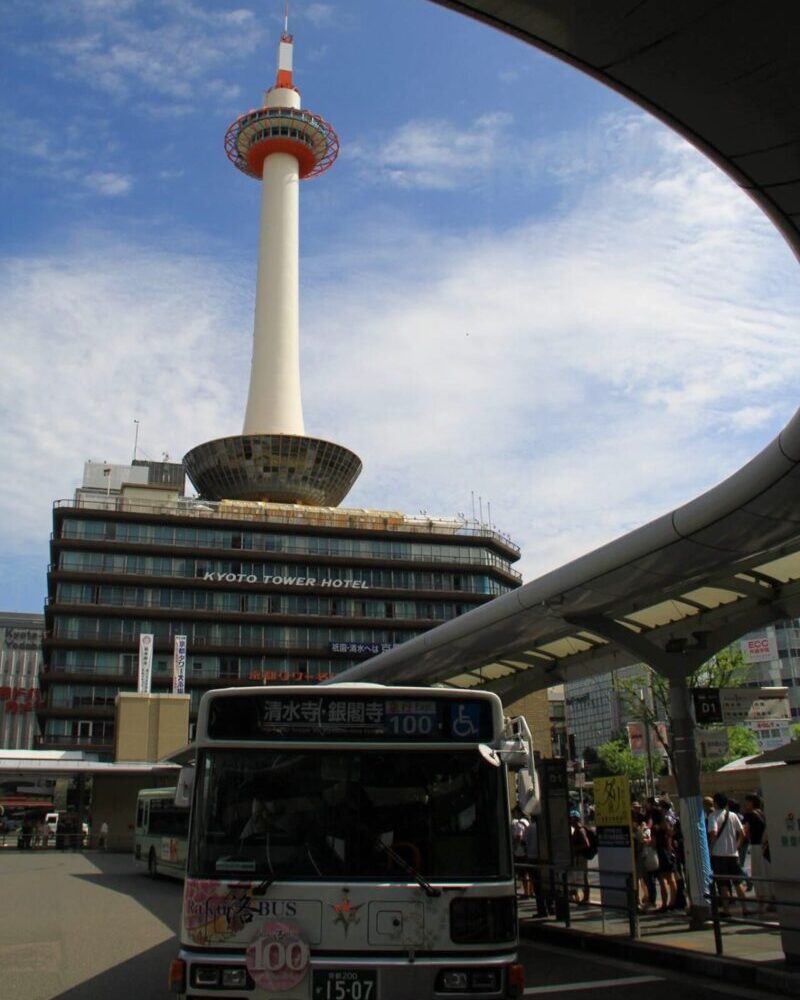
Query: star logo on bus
(346, 913)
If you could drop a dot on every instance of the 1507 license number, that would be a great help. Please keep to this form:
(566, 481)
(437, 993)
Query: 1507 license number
(344, 984)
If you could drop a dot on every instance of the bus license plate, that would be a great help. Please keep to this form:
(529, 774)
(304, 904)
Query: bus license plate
(344, 984)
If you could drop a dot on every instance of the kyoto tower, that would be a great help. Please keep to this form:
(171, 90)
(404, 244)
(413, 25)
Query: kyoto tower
(278, 144)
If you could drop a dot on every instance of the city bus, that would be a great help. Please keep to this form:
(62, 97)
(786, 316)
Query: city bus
(349, 842)
(162, 832)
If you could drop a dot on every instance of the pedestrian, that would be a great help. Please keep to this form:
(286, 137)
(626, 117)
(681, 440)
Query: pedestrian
(641, 846)
(725, 834)
(651, 866)
(581, 849)
(102, 840)
(519, 827)
(661, 832)
(533, 859)
(743, 849)
(755, 830)
(678, 849)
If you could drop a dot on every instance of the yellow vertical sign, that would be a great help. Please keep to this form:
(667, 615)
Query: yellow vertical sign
(615, 855)
(612, 801)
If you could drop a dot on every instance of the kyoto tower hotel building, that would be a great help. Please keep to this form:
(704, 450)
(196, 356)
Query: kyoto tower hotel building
(266, 575)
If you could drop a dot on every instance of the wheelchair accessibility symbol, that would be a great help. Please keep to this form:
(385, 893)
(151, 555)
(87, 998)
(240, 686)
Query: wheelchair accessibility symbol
(465, 721)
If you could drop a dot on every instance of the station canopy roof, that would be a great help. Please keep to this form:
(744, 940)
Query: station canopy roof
(71, 763)
(726, 76)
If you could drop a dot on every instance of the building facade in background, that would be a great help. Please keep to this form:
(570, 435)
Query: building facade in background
(596, 711)
(265, 593)
(20, 663)
(774, 658)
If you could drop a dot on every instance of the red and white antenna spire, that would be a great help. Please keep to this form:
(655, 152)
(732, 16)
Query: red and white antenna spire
(284, 78)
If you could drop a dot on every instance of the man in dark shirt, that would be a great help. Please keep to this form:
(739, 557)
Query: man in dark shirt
(755, 826)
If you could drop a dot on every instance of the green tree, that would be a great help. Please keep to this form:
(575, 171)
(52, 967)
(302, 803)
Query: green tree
(796, 731)
(615, 758)
(742, 742)
(646, 694)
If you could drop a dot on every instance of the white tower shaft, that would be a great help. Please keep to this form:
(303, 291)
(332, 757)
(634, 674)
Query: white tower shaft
(274, 404)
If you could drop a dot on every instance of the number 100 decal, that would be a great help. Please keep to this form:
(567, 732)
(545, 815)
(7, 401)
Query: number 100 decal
(278, 958)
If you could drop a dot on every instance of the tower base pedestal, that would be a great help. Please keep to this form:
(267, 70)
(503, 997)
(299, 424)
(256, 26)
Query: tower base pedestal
(281, 468)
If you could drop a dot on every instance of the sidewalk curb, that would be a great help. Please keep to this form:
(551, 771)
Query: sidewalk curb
(733, 970)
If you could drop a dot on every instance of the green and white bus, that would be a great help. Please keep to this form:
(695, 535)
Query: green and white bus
(162, 832)
(350, 842)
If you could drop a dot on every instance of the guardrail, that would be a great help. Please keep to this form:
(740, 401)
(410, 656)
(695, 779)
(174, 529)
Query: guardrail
(722, 914)
(555, 885)
(555, 889)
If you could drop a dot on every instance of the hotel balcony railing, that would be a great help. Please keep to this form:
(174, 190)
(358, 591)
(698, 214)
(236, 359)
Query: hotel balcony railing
(272, 514)
(479, 558)
(123, 673)
(95, 635)
(111, 569)
(248, 673)
(146, 604)
(98, 742)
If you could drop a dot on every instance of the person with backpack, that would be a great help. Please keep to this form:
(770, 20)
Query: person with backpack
(584, 847)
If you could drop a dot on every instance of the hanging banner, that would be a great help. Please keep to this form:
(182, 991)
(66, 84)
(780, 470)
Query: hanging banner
(145, 663)
(637, 739)
(179, 666)
(760, 647)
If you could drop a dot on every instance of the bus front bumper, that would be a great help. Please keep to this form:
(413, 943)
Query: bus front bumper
(213, 976)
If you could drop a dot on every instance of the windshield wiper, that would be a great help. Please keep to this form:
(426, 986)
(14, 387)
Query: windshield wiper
(403, 865)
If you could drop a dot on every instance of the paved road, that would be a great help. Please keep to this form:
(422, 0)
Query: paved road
(84, 927)
(91, 926)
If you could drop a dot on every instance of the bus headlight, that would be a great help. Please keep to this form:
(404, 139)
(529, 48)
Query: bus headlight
(483, 920)
(468, 981)
(234, 978)
(453, 979)
(224, 977)
(205, 975)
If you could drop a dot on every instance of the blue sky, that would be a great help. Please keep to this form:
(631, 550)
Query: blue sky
(514, 284)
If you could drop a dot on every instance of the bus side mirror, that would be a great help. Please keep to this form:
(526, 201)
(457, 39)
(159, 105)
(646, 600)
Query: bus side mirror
(183, 793)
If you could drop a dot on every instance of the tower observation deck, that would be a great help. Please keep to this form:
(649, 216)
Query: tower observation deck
(279, 144)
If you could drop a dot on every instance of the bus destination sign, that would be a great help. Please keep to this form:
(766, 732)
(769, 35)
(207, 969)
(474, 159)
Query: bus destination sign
(387, 718)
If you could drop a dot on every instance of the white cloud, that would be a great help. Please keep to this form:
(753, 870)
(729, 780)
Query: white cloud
(173, 50)
(586, 373)
(319, 14)
(435, 154)
(583, 373)
(93, 338)
(108, 184)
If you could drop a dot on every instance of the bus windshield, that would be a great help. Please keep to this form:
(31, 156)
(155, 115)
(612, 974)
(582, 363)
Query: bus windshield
(336, 813)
